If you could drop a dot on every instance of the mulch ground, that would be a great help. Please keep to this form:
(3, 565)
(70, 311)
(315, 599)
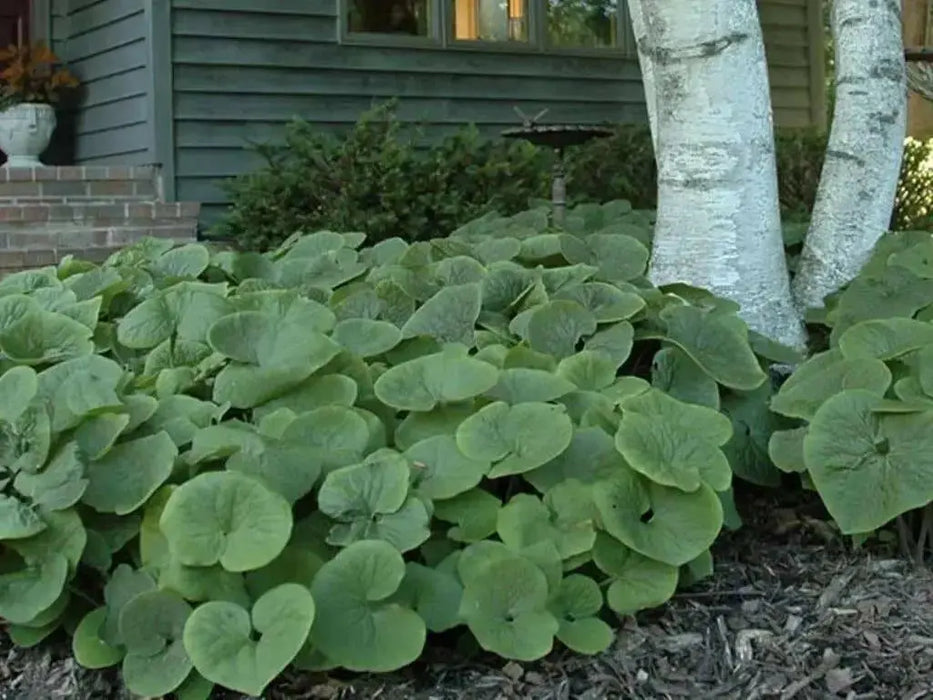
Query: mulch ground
(792, 612)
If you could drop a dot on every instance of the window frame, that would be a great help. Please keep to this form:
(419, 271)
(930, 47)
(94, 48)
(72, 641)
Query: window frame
(434, 39)
(441, 35)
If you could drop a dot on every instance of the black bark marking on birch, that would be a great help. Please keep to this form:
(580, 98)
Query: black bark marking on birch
(843, 155)
(888, 69)
(852, 21)
(705, 49)
(885, 118)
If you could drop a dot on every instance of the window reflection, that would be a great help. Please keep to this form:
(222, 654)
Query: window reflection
(388, 17)
(582, 23)
(490, 20)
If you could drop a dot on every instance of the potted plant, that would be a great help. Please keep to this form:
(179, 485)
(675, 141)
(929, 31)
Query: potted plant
(31, 82)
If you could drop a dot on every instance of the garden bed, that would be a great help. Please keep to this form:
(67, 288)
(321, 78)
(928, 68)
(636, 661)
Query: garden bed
(790, 613)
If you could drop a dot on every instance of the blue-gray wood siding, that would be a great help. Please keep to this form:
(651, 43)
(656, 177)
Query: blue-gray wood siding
(104, 44)
(242, 68)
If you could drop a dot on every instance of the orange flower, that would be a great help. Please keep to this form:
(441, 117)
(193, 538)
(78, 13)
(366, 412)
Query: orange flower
(32, 74)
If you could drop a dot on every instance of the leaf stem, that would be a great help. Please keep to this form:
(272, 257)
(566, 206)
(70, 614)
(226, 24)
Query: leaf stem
(903, 533)
(925, 523)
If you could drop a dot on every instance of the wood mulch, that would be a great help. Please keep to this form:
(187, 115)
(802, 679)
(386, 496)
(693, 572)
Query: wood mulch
(792, 612)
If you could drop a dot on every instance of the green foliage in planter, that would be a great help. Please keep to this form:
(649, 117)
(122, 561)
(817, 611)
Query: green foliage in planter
(863, 406)
(216, 465)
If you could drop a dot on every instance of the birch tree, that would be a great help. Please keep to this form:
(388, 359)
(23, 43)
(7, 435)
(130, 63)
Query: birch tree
(863, 160)
(718, 220)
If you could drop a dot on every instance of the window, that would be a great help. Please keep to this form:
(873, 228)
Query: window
(591, 24)
(524, 25)
(490, 20)
(400, 17)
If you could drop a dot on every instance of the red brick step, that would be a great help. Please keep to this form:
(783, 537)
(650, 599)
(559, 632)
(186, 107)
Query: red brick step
(75, 183)
(88, 211)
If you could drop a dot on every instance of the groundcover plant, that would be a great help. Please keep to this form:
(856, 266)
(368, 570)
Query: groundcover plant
(216, 465)
(863, 406)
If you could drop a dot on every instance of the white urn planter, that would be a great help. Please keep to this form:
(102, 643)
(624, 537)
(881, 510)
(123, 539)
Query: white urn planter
(25, 132)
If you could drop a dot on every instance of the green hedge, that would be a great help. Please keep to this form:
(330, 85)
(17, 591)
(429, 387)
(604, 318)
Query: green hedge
(380, 178)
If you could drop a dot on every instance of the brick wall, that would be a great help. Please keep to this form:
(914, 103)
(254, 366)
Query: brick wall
(49, 212)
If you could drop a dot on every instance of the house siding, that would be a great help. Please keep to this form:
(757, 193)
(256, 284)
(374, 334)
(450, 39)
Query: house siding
(104, 44)
(243, 68)
(240, 69)
(793, 36)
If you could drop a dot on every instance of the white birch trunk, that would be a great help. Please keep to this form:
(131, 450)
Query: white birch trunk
(863, 160)
(718, 223)
(640, 31)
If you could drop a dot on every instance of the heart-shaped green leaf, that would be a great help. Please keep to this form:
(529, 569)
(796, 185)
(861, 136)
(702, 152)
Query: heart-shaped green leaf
(151, 626)
(226, 518)
(517, 438)
(186, 310)
(674, 443)
(590, 457)
(674, 372)
(221, 638)
(434, 593)
(89, 649)
(785, 447)
(522, 384)
(885, 338)
(440, 470)
(366, 337)
(17, 519)
(445, 377)
(869, 467)
(371, 500)
(556, 327)
(825, 375)
(26, 592)
(474, 512)
(565, 518)
(638, 583)
(660, 522)
(717, 341)
(42, 337)
(357, 626)
(18, 386)
(505, 606)
(576, 606)
(124, 478)
(449, 316)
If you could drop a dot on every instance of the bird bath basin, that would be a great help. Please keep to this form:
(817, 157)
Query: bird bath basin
(559, 137)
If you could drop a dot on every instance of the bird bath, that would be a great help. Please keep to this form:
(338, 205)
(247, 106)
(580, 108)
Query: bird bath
(920, 71)
(559, 137)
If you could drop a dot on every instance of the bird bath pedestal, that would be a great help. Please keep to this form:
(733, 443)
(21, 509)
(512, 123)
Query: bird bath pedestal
(920, 71)
(559, 137)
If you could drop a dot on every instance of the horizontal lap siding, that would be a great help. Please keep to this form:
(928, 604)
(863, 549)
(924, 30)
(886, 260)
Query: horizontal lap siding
(105, 46)
(243, 68)
(786, 26)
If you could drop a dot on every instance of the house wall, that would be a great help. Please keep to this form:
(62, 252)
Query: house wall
(918, 33)
(104, 44)
(242, 68)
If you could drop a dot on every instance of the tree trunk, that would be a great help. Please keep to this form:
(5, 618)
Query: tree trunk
(718, 222)
(859, 179)
(640, 31)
